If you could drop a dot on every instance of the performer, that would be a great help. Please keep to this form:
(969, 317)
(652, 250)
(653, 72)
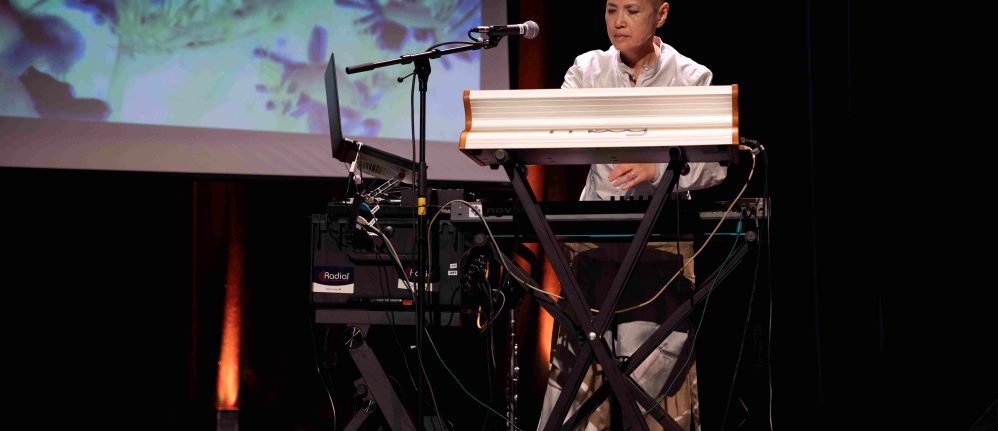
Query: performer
(638, 58)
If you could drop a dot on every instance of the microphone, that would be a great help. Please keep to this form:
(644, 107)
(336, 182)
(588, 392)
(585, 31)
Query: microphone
(528, 29)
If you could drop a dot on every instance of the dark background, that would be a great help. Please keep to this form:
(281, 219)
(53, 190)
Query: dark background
(882, 315)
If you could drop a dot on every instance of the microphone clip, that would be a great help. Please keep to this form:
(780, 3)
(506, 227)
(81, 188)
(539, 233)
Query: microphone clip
(491, 40)
(486, 40)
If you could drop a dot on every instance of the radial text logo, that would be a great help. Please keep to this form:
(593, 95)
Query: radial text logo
(332, 275)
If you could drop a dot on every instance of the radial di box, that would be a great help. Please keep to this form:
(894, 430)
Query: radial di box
(353, 268)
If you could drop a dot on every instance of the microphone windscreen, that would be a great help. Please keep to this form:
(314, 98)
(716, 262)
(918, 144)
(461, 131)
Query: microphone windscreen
(531, 30)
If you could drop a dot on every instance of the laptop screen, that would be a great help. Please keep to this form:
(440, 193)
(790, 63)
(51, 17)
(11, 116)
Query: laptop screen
(371, 161)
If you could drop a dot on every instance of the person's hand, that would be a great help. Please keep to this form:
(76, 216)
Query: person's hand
(627, 175)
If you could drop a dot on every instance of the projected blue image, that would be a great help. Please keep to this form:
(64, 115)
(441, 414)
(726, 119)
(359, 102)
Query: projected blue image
(232, 64)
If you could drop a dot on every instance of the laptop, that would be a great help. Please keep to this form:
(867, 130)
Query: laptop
(373, 163)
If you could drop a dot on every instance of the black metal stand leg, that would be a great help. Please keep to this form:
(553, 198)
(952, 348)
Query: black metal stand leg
(570, 327)
(573, 382)
(381, 389)
(593, 328)
(653, 342)
(358, 420)
(596, 343)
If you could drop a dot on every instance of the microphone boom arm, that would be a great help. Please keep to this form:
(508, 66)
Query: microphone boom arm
(409, 58)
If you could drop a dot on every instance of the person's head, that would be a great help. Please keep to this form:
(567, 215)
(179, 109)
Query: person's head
(631, 24)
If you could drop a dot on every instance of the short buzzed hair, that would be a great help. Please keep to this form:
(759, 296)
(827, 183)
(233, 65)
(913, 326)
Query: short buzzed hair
(657, 3)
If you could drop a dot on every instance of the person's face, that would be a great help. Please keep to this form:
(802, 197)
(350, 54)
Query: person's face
(631, 24)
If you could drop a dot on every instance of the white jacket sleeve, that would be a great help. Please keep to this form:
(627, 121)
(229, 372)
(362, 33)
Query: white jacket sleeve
(701, 175)
(573, 78)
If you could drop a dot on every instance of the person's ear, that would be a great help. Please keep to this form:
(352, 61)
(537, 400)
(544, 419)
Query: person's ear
(663, 12)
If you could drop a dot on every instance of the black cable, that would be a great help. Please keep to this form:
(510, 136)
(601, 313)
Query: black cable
(311, 325)
(706, 301)
(488, 349)
(347, 182)
(741, 343)
(419, 360)
(440, 357)
(458, 381)
(455, 43)
(401, 389)
(415, 166)
(678, 230)
(489, 346)
(490, 354)
(433, 396)
(694, 329)
(512, 267)
(385, 288)
(490, 366)
(768, 209)
(415, 174)
(755, 277)
(487, 292)
(493, 313)
(450, 320)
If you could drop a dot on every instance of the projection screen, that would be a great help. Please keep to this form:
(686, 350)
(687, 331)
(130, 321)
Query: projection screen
(231, 86)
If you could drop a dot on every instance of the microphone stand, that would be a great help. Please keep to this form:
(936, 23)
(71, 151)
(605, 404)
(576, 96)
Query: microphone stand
(421, 61)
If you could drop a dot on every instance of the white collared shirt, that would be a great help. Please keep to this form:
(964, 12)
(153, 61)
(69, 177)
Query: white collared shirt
(604, 69)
